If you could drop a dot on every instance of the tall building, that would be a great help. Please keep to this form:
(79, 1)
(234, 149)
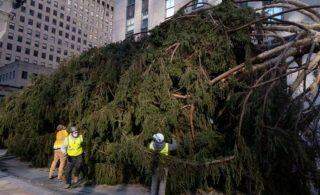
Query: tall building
(136, 16)
(44, 32)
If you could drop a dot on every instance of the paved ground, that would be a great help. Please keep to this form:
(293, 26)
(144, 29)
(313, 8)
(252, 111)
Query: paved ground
(19, 178)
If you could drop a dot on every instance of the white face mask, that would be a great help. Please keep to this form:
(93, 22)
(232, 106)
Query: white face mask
(75, 134)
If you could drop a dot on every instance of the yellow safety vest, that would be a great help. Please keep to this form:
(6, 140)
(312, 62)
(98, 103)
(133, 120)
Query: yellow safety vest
(60, 137)
(164, 151)
(74, 145)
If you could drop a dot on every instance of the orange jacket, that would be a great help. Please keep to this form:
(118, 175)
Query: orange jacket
(60, 136)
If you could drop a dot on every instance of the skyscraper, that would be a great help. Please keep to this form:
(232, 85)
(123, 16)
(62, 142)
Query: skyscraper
(44, 32)
(136, 16)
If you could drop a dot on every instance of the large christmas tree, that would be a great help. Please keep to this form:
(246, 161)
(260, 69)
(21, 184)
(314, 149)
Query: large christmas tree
(211, 79)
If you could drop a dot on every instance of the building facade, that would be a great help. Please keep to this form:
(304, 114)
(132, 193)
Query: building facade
(18, 74)
(45, 32)
(136, 16)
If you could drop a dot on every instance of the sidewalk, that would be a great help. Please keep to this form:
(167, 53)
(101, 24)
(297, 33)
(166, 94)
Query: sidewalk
(17, 177)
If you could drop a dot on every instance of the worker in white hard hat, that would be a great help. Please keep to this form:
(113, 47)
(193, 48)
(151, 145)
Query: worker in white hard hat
(72, 147)
(159, 146)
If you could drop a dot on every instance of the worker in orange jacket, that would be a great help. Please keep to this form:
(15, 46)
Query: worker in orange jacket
(61, 134)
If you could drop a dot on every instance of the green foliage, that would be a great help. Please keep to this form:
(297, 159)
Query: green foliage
(121, 94)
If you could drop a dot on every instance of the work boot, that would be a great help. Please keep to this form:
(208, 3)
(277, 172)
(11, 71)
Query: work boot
(75, 179)
(62, 178)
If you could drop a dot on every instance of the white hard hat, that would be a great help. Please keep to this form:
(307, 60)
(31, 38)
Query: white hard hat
(158, 137)
(73, 129)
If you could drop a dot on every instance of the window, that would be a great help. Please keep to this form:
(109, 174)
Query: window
(51, 48)
(44, 46)
(73, 37)
(55, 13)
(130, 9)
(23, 8)
(43, 55)
(59, 41)
(22, 19)
(61, 24)
(169, 8)
(38, 25)
(36, 43)
(48, 9)
(145, 4)
(24, 75)
(54, 21)
(28, 41)
(53, 39)
(33, 3)
(9, 46)
(30, 22)
(275, 10)
(53, 30)
(20, 29)
(144, 25)
(61, 15)
(39, 15)
(40, 6)
(19, 39)
(55, 4)
(46, 18)
(67, 35)
(68, 18)
(59, 50)
(60, 32)
(51, 57)
(46, 27)
(58, 59)
(29, 31)
(79, 40)
(31, 12)
(27, 51)
(37, 34)
(8, 57)
(10, 36)
(45, 37)
(130, 27)
(35, 53)
(65, 52)
(68, 27)
(18, 48)
(198, 4)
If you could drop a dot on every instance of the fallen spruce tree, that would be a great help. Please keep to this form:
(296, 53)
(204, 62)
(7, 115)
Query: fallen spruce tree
(217, 80)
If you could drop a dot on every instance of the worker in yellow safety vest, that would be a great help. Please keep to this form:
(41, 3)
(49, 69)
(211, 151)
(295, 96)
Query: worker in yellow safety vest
(72, 147)
(159, 146)
(61, 134)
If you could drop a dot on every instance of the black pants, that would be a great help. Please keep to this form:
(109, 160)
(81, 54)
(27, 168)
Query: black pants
(74, 162)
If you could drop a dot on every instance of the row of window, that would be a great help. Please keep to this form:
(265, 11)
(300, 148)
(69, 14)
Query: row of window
(7, 76)
(8, 57)
(103, 3)
(36, 52)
